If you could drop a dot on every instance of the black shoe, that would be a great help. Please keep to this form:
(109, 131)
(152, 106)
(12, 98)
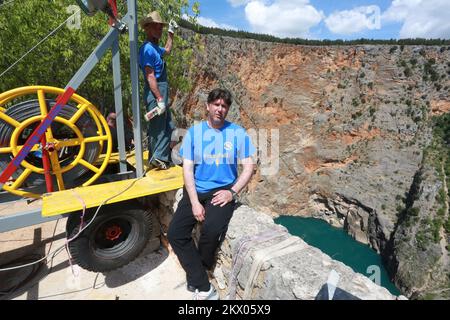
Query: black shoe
(190, 288)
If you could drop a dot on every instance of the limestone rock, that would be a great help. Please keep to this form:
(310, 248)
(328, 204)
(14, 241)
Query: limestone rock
(303, 274)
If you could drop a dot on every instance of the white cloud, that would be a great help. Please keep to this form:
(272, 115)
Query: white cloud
(399, 10)
(355, 20)
(421, 18)
(208, 22)
(282, 18)
(237, 3)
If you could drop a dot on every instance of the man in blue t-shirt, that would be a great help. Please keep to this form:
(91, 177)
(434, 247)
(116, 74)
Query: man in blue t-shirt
(210, 152)
(156, 88)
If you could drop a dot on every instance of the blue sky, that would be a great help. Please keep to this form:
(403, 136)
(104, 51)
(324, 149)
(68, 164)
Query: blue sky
(327, 19)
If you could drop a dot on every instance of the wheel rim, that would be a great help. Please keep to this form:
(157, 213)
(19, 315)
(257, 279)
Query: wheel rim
(78, 143)
(113, 232)
(114, 237)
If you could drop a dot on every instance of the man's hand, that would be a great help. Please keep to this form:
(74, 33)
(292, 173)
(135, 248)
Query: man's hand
(156, 111)
(172, 26)
(161, 107)
(222, 197)
(198, 211)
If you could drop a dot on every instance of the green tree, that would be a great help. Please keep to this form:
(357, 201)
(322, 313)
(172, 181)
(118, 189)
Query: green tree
(24, 23)
(269, 38)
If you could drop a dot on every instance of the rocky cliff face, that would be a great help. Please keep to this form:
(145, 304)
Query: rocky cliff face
(352, 123)
(419, 256)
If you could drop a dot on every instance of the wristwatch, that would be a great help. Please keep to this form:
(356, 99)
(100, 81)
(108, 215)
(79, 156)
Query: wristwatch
(234, 195)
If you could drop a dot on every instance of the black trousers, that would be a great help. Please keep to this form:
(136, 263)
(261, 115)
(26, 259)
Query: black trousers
(195, 261)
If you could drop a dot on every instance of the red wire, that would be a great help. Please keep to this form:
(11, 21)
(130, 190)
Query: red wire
(46, 165)
(113, 5)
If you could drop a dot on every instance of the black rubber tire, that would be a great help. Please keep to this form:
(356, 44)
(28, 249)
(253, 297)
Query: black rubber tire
(101, 247)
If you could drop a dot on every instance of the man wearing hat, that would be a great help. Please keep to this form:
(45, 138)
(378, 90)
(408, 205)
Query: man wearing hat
(156, 88)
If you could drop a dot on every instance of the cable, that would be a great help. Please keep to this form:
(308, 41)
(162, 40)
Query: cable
(23, 265)
(34, 47)
(51, 243)
(79, 232)
(35, 269)
(99, 207)
(84, 207)
(66, 245)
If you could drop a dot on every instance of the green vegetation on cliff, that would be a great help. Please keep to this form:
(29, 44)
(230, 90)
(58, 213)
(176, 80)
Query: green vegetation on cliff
(424, 222)
(268, 38)
(441, 150)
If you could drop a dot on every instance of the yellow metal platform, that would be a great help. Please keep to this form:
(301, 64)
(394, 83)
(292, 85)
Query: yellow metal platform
(155, 181)
(131, 159)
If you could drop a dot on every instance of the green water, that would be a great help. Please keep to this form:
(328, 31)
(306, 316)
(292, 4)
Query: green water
(340, 246)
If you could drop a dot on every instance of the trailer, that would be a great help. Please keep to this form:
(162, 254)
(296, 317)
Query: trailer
(56, 149)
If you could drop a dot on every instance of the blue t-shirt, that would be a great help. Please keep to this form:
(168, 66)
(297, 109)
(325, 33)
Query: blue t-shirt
(150, 55)
(215, 153)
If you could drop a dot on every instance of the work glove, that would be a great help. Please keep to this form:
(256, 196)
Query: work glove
(156, 111)
(161, 107)
(172, 26)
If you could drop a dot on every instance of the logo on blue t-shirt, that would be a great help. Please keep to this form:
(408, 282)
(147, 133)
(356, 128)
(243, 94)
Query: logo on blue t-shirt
(228, 145)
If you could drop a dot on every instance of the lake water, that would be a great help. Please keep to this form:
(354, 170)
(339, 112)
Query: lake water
(340, 246)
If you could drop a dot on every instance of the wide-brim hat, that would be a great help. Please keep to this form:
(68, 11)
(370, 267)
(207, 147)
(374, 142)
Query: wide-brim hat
(152, 17)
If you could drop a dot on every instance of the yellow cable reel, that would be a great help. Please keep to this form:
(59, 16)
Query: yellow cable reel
(74, 141)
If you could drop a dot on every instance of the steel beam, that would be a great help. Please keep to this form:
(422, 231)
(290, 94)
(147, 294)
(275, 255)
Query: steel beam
(24, 219)
(134, 71)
